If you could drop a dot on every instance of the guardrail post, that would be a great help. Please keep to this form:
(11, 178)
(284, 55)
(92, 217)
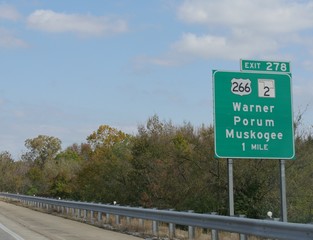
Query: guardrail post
(128, 219)
(100, 218)
(241, 235)
(117, 219)
(191, 230)
(107, 218)
(141, 222)
(91, 217)
(155, 227)
(214, 232)
(85, 215)
(171, 228)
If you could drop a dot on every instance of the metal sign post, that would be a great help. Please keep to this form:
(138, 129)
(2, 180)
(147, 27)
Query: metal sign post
(253, 117)
(283, 199)
(230, 187)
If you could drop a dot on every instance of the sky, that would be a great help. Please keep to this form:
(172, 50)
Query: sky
(67, 67)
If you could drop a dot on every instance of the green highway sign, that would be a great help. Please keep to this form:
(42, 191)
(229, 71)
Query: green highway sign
(264, 66)
(253, 115)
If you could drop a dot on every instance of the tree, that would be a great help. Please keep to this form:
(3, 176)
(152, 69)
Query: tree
(300, 180)
(61, 173)
(173, 167)
(104, 176)
(105, 137)
(256, 187)
(41, 149)
(6, 169)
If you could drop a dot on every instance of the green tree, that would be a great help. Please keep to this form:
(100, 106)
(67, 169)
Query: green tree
(105, 137)
(61, 173)
(6, 170)
(299, 178)
(41, 149)
(173, 167)
(256, 187)
(104, 177)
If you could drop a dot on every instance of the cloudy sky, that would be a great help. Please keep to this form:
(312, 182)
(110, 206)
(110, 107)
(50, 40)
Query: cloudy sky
(68, 67)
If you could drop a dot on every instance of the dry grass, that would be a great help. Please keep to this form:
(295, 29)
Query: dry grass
(137, 227)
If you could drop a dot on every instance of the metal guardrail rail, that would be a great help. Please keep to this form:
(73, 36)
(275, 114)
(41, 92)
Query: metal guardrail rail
(255, 227)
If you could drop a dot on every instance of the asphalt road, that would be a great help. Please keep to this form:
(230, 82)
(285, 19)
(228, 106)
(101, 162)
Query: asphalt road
(19, 223)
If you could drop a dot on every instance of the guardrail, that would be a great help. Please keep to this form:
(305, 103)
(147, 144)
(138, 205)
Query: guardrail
(242, 226)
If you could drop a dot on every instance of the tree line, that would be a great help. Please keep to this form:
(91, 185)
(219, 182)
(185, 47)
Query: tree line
(163, 166)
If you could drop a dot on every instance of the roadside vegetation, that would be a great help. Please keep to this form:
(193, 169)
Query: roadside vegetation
(161, 166)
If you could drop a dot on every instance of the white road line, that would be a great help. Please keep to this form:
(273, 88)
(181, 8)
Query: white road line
(13, 234)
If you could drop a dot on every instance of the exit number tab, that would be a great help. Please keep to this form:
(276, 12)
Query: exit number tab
(264, 66)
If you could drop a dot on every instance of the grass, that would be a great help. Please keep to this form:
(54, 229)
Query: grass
(132, 226)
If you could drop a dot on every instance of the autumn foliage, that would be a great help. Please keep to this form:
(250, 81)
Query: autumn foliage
(162, 166)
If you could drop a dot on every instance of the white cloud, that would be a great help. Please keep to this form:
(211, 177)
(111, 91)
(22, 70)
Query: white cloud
(50, 21)
(274, 16)
(200, 45)
(224, 47)
(239, 29)
(8, 12)
(240, 44)
(9, 40)
(7, 37)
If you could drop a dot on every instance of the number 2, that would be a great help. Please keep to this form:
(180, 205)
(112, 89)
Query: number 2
(266, 92)
(269, 66)
(235, 87)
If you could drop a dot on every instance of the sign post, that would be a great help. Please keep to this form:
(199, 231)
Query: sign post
(253, 117)
(230, 171)
(283, 207)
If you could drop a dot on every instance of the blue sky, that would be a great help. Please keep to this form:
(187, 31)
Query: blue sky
(68, 67)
